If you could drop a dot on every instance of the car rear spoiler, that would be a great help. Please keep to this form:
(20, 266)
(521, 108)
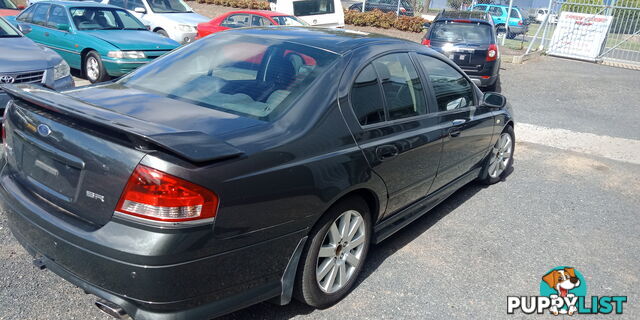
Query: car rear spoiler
(194, 146)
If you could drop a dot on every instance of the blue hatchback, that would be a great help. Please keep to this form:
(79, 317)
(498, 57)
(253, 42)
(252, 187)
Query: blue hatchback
(518, 24)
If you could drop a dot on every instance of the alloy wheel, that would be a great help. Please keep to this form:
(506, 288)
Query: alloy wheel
(500, 155)
(341, 251)
(93, 69)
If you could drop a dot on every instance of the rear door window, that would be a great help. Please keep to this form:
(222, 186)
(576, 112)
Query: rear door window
(237, 21)
(515, 13)
(366, 97)
(453, 91)
(57, 16)
(258, 21)
(40, 14)
(313, 7)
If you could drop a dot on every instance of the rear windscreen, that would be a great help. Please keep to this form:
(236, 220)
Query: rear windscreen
(473, 33)
(313, 7)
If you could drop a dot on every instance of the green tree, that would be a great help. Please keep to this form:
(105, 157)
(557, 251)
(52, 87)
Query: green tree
(456, 4)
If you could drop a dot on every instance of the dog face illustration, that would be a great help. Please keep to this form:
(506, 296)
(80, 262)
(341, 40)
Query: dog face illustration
(562, 280)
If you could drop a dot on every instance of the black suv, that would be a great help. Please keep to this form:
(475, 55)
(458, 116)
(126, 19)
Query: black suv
(468, 38)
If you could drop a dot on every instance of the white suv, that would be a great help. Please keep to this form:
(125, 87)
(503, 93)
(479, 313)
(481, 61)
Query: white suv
(170, 18)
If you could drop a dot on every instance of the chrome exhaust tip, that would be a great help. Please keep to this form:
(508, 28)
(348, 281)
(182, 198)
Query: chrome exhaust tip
(111, 309)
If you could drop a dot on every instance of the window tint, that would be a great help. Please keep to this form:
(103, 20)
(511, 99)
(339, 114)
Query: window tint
(401, 85)
(26, 15)
(289, 21)
(6, 4)
(237, 21)
(495, 11)
(117, 3)
(40, 14)
(258, 21)
(451, 88)
(249, 75)
(473, 33)
(515, 13)
(133, 4)
(312, 7)
(366, 98)
(57, 16)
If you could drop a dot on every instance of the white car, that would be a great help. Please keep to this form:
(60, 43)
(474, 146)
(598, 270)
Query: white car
(170, 18)
(541, 13)
(321, 13)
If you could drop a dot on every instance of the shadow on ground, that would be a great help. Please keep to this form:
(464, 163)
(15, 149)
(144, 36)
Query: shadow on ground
(377, 255)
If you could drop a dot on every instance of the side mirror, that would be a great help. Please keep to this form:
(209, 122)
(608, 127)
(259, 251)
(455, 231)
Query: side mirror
(62, 27)
(21, 7)
(494, 100)
(24, 28)
(140, 10)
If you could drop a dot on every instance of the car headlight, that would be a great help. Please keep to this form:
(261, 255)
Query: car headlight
(184, 28)
(61, 70)
(126, 54)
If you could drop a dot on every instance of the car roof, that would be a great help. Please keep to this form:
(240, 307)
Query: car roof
(471, 16)
(83, 4)
(338, 41)
(266, 13)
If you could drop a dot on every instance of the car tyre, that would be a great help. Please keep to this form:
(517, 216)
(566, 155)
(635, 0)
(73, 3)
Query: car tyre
(511, 35)
(327, 272)
(500, 160)
(94, 69)
(162, 33)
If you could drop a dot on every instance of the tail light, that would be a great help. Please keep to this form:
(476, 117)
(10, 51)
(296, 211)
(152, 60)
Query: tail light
(154, 195)
(426, 42)
(492, 53)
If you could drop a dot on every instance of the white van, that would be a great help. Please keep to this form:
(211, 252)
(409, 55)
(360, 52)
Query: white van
(321, 13)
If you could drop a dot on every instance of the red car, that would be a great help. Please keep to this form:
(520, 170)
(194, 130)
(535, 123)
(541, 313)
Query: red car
(8, 8)
(246, 18)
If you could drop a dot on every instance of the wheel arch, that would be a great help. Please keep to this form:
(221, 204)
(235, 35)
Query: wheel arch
(83, 55)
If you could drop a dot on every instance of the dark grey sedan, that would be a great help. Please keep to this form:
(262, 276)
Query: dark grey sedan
(252, 165)
(23, 61)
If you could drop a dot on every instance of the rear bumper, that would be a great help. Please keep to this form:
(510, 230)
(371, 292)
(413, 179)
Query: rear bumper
(136, 268)
(484, 81)
(518, 29)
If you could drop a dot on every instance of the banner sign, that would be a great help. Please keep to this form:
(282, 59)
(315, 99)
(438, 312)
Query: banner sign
(579, 35)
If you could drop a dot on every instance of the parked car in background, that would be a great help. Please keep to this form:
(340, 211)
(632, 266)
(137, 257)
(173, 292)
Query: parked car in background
(468, 38)
(518, 23)
(23, 61)
(171, 18)
(100, 40)
(405, 8)
(8, 8)
(224, 174)
(30, 2)
(320, 13)
(247, 18)
(542, 13)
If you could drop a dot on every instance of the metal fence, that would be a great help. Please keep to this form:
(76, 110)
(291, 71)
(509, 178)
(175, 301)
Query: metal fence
(606, 30)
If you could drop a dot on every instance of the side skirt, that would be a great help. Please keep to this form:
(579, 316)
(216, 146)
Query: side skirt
(401, 219)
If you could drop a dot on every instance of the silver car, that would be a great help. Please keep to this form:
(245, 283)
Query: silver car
(23, 61)
(170, 18)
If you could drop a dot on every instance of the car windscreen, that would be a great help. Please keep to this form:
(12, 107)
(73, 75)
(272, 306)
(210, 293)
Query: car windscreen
(289, 21)
(469, 33)
(250, 76)
(6, 30)
(99, 18)
(313, 7)
(169, 6)
(7, 4)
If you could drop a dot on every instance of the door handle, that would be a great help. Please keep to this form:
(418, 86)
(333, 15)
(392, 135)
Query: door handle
(386, 152)
(454, 131)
